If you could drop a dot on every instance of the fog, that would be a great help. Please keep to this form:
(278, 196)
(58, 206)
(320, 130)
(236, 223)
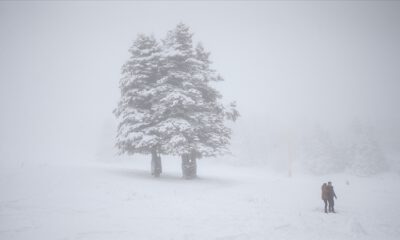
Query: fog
(316, 84)
(289, 65)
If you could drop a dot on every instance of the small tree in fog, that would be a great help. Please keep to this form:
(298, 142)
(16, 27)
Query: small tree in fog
(321, 154)
(137, 130)
(195, 117)
(366, 157)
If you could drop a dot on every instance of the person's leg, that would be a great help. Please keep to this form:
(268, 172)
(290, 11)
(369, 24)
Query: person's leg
(326, 205)
(333, 205)
(330, 204)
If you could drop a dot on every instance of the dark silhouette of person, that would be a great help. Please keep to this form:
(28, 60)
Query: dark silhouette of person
(324, 196)
(330, 194)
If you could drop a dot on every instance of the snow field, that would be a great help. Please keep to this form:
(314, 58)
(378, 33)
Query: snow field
(122, 201)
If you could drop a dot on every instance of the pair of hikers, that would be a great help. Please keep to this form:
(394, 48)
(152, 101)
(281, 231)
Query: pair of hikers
(327, 196)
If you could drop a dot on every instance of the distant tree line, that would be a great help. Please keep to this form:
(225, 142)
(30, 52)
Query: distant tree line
(360, 154)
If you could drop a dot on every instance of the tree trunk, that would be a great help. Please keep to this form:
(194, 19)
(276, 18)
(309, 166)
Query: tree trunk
(156, 167)
(189, 166)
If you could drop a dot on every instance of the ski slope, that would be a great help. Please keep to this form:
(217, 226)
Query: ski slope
(120, 200)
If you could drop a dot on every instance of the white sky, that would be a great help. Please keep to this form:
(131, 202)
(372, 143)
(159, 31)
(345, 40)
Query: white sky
(285, 63)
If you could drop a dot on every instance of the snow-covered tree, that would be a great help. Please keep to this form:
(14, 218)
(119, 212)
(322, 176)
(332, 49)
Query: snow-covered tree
(137, 131)
(322, 156)
(195, 117)
(167, 104)
(366, 157)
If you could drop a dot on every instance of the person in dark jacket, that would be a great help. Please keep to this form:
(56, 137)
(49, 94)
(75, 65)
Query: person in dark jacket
(330, 194)
(324, 195)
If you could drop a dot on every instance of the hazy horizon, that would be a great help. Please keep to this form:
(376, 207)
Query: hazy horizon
(288, 65)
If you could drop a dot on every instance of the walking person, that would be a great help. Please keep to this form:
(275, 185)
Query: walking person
(324, 196)
(331, 194)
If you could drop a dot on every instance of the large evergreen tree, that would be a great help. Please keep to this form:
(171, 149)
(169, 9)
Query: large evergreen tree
(139, 88)
(167, 104)
(196, 117)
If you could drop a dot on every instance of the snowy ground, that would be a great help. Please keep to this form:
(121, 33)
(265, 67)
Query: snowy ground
(121, 201)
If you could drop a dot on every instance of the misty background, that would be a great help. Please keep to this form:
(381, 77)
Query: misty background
(291, 66)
